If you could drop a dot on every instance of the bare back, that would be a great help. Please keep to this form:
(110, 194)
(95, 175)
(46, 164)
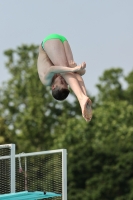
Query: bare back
(43, 64)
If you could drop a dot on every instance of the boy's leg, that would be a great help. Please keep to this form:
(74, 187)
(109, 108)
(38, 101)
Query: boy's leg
(82, 98)
(84, 101)
(81, 83)
(56, 52)
(68, 52)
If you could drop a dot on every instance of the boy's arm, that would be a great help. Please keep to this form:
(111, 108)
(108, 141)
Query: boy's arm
(59, 69)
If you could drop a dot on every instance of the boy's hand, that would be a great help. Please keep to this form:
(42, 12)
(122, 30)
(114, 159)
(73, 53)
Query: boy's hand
(72, 64)
(79, 67)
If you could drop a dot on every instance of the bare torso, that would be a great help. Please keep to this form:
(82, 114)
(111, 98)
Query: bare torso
(43, 64)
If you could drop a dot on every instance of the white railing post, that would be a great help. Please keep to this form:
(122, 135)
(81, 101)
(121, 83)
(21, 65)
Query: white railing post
(12, 168)
(64, 174)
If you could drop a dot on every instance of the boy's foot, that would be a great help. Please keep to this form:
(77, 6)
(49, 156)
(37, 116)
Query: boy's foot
(89, 110)
(85, 104)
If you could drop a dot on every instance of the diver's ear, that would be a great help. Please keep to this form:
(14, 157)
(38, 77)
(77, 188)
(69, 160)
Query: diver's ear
(53, 87)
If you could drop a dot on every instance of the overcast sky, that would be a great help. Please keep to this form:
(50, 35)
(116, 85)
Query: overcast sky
(100, 32)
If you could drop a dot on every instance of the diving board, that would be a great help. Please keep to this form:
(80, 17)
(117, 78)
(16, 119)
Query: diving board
(29, 195)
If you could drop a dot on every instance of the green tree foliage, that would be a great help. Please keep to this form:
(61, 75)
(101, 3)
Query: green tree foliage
(4, 133)
(99, 153)
(109, 86)
(129, 90)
